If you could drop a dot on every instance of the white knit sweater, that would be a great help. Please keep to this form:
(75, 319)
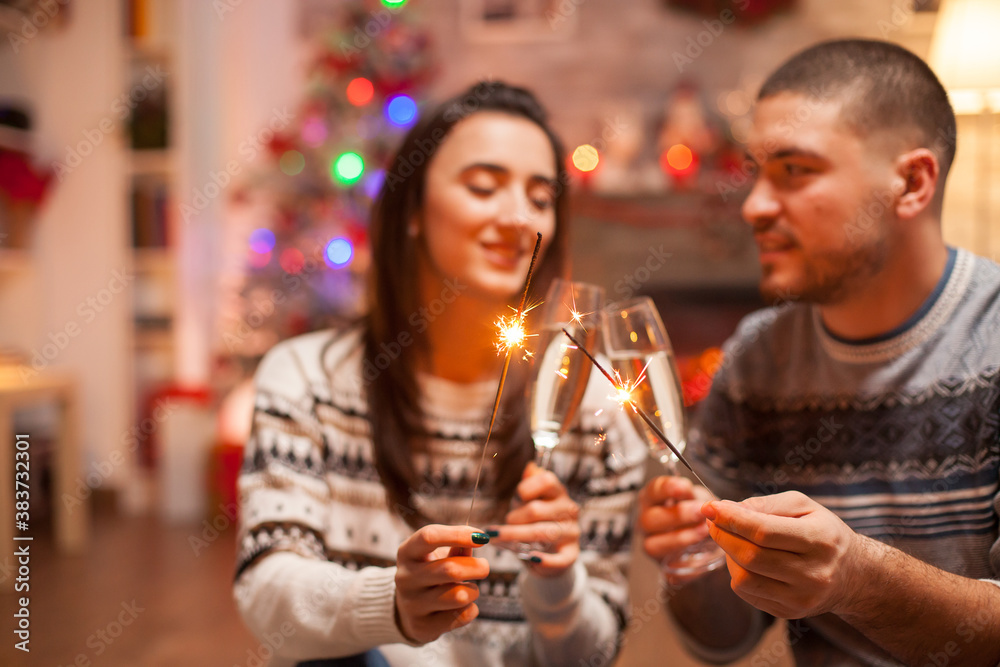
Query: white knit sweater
(316, 570)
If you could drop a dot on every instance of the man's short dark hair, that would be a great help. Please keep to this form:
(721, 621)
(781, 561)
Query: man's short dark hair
(883, 87)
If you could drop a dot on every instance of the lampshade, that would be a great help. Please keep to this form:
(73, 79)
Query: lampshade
(965, 53)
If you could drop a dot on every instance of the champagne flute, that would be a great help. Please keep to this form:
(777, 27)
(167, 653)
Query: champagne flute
(638, 347)
(560, 372)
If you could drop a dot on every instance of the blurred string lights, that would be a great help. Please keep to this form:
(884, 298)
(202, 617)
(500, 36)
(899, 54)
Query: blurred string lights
(308, 209)
(338, 253)
(347, 168)
(401, 111)
(585, 158)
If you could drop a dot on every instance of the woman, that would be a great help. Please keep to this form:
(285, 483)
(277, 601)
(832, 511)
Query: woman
(362, 464)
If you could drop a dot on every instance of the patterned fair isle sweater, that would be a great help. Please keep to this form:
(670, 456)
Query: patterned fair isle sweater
(317, 544)
(900, 435)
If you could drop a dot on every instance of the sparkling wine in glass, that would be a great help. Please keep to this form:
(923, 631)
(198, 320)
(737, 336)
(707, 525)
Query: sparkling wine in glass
(637, 346)
(560, 371)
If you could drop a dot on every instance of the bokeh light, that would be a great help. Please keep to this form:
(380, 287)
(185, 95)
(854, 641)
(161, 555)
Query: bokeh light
(314, 132)
(292, 260)
(738, 103)
(360, 91)
(394, 4)
(262, 240)
(339, 253)
(259, 260)
(401, 110)
(373, 182)
(348, 168)
(679, 157)
(292, 162)
(585, 158)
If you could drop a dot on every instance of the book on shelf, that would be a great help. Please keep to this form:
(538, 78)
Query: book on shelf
(150, 214)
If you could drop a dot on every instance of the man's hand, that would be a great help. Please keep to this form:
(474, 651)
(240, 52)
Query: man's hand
(434, 591)
(548, 516)
(787, 555)
(670, 516)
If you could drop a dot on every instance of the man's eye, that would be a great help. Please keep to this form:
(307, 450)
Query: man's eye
(794, 170)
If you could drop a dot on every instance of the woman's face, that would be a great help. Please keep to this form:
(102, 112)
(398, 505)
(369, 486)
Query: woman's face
(490, 187)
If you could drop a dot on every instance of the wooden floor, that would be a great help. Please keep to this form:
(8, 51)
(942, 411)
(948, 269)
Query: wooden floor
(139, 596)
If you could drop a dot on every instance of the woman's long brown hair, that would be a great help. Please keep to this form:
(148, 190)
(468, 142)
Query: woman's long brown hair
(393, 404)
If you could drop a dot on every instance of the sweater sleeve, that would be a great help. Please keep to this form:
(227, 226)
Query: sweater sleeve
(285, 584)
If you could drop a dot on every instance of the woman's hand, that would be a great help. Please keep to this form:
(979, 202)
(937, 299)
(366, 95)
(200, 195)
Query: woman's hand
(434, 573)
(549, 517)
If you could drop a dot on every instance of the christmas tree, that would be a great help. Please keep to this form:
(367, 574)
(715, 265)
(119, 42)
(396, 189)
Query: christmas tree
(306, 265)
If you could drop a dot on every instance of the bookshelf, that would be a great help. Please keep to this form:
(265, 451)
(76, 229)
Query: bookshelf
(150, 36)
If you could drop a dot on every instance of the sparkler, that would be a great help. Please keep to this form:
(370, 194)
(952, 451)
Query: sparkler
(624, 396)
(512, 335)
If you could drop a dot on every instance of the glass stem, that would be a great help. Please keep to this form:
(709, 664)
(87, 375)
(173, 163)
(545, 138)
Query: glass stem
(543, 457)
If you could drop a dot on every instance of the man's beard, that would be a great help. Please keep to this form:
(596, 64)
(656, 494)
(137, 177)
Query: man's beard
(833, 275)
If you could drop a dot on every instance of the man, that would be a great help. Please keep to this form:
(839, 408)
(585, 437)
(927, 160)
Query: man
(863, 413)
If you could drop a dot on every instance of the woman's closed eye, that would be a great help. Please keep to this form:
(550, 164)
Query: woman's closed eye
(480, 190)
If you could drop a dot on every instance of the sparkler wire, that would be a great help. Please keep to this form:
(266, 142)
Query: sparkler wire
(642, 415)
(503, 376)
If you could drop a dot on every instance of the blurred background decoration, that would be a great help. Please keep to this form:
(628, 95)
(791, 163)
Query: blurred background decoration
(308, 263)
(23, 183)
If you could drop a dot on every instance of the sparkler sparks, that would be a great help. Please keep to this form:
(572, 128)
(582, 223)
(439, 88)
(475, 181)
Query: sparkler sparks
(624, 397)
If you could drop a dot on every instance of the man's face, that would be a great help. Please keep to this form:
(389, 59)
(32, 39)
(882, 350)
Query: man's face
(818, 205)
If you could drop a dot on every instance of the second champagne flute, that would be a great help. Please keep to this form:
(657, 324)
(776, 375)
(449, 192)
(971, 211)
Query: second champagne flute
(638, 346)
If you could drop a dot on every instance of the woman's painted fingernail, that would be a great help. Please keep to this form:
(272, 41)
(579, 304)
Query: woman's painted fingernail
(492, 532)
(535, 559)
(480, 538)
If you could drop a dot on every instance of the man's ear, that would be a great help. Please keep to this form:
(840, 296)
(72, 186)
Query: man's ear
(917, 172)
